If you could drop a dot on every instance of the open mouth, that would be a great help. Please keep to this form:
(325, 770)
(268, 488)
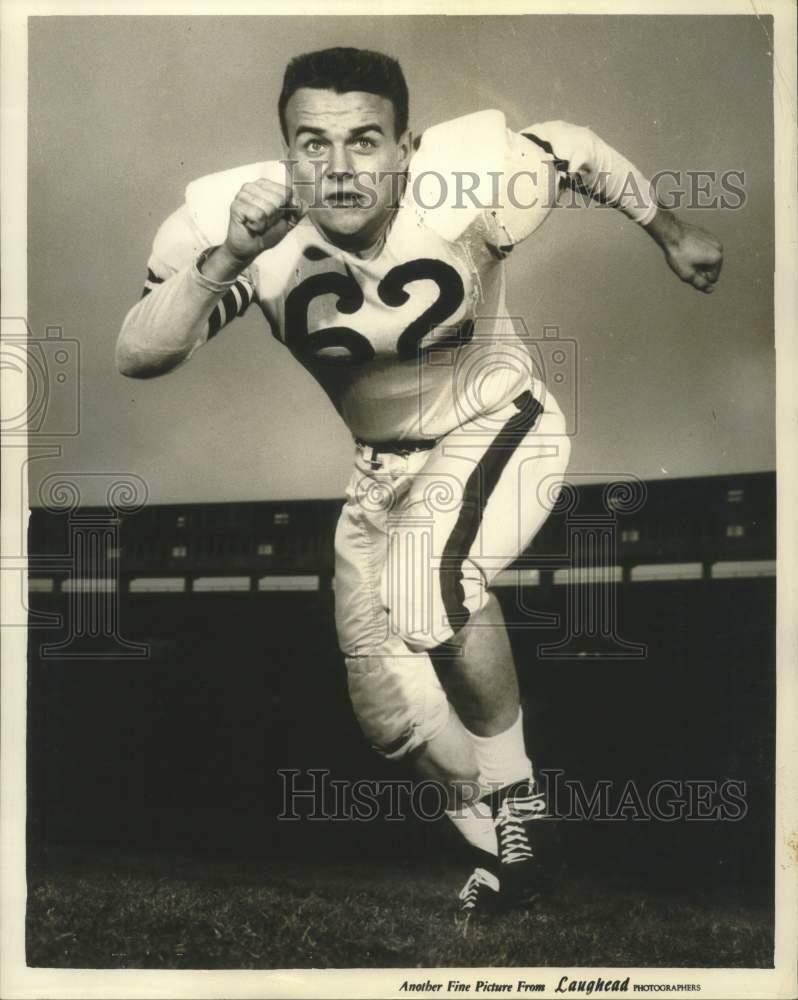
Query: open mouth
(344, 200)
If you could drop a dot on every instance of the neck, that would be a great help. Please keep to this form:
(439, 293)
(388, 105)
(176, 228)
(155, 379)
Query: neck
(368, 241)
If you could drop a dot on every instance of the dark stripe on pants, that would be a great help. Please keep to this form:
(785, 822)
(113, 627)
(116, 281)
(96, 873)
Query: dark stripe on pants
(478, 489)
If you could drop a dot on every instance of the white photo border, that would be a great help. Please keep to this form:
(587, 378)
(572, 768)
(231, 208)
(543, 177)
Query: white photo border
(17, 980)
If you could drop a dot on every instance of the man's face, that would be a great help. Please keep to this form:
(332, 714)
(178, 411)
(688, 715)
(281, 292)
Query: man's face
(348, 162)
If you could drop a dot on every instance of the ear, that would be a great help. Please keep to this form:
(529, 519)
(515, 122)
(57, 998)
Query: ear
(405, 144)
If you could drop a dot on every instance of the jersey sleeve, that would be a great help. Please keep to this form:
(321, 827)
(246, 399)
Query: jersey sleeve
(178, 296)
(176, 248)
(543, 160)
(587, 164)
(181, 308)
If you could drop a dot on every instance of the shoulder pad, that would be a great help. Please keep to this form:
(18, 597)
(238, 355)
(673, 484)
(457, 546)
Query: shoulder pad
(442, 170)
(209, 198)
(528, 192)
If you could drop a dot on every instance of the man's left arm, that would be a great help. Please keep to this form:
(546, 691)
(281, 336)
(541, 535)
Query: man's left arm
(586, 163)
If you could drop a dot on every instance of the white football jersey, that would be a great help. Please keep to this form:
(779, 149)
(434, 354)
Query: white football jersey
(405, 342)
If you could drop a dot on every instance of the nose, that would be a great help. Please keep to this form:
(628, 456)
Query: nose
(339, 165)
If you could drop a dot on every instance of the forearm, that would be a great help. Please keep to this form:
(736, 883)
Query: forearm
(586, 163)
(664, 228)
(166, 326)
(222, 266)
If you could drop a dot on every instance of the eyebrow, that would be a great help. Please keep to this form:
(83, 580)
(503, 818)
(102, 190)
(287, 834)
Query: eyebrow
(354, 133)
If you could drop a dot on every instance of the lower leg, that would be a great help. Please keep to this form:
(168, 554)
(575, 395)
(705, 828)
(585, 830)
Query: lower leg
(477, 671)
(481, 746)
(479, 677)
(449, 758)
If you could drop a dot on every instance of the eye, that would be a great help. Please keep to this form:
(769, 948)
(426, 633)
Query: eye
(363, 143)
(314, 146)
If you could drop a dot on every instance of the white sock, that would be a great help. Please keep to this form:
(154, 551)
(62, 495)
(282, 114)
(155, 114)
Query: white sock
(475, 823)
(502, 759)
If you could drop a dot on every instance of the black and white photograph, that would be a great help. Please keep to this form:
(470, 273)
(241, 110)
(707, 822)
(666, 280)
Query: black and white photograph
(398, 485)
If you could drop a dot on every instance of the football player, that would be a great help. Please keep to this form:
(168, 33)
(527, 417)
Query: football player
(378, 261)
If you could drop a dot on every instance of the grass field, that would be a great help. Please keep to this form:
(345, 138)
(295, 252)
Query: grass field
(120, 911)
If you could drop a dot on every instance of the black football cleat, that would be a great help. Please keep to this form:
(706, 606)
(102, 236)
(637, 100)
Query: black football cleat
(519, 816)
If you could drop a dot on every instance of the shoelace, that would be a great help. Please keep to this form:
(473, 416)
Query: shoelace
(470, 890)
(512, 815)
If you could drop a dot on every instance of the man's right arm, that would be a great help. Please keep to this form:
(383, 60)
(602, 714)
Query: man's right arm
(187, 301)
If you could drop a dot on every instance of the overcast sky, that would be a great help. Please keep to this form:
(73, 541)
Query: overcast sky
(125, 111)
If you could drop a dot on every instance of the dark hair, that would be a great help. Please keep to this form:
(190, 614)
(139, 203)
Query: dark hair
(344, 70)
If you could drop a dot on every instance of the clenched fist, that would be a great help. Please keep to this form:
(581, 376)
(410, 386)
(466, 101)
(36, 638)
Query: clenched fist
(695, 256)
(261, 215)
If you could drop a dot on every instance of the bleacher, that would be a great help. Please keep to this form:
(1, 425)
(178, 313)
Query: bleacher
(182, 655)
(711, 526)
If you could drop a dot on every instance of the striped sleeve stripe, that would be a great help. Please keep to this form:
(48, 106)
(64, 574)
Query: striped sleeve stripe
(244, 295)
(573, 180)
(214, 322)
(235, 302)
(153, 279)
(217, 319)
(236, 299)
(247, 295)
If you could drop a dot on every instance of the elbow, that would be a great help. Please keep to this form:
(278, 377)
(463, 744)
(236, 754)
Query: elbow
(127, 364)
(130, 362)
(134, 363)
(130, 355)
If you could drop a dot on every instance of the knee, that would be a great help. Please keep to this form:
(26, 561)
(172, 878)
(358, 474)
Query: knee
(427, 605)
(458, 780)
(397, 700)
